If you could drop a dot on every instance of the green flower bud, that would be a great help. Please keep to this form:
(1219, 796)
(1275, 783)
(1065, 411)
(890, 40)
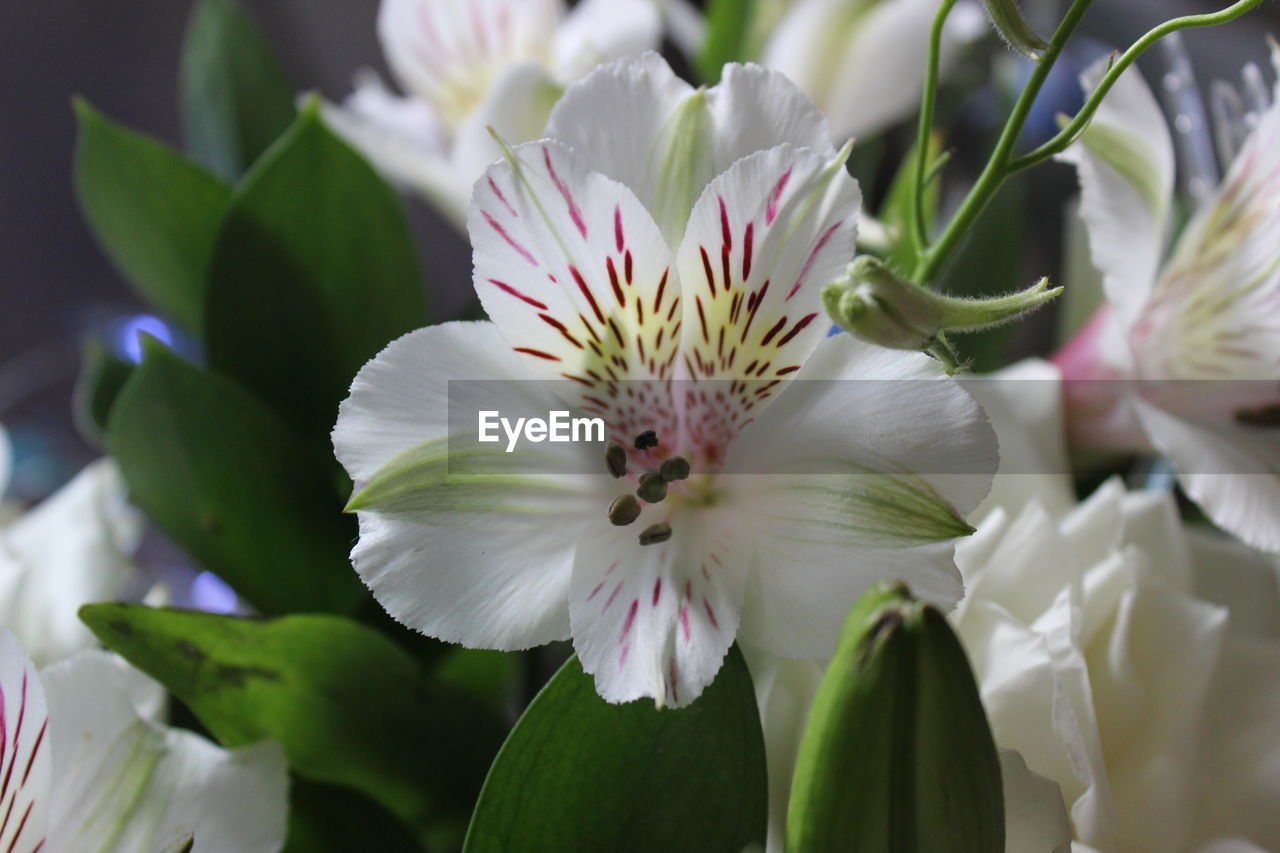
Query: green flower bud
(897, 755)
(1007, 18)
(876, 304)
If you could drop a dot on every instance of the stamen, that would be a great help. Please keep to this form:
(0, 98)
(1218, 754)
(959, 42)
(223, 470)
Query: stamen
(646, 440)
(615, 459)
(655, 533)
(652, 488)
(675, 468)
(624, 510)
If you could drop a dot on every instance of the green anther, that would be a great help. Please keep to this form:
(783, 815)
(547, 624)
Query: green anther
(675, 468)
(655, 533)
(624, 510)
(615, 459)
(653, 488)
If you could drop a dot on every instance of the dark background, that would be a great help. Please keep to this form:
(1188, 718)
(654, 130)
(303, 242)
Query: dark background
(122, 55)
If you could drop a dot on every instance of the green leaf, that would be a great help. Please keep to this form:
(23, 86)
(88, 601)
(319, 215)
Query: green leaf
(579, 774)
(728, 32)
(898, 208)
(236, 99)
(897, 755)
(154, 213)
(349, 706)
(102, 375)
(313, 274)
(233, 485)
(330, 819)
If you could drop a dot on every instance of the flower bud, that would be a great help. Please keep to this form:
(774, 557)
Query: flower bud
(876, 304)
(897, 754)
(1007, 19)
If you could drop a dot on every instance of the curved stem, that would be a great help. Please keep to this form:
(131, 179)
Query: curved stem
(1077, 125)
(925, 128)
(997, 167)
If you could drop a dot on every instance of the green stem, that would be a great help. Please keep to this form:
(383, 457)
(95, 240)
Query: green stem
(997, 168)
(927, 104)
(1072, 131)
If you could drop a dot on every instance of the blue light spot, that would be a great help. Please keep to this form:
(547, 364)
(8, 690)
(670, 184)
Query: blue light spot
(212, 595)
(129, 341)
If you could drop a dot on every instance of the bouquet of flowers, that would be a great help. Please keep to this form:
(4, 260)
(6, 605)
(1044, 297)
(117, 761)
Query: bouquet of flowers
(729, 516)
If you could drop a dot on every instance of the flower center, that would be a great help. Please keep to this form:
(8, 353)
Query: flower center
(652, 487)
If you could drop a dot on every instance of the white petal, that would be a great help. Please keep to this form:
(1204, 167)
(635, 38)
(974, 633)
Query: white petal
(853, 484)
(1233, 473)
(638, 123)
(71, 550)
(573, 271)
(597, 31)
(1024, 404)
(125, 784)
(865, 66)
(25, 762)
(449, 52)
(1126, 166)
(403, 140)
(1035, 817)
(516, 107)
(1233, 575)
(467, 542)
(656, 620)
(763, 240)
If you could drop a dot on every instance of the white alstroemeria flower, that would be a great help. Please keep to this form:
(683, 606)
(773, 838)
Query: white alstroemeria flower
(86, 769)
(467, 65)
(863, 61)
(71, 550)
(669, 244)
(1193, 334)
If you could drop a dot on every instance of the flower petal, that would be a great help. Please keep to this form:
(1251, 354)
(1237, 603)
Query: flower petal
(1126, 167)
(763, 240)
(125, 784)
(657, 620)
(597, 31)
(1232, 472)
(516, 107)
(25, 763)
(573, 271)
(462, 541)
(638, 123)
(1035, 817)
(864, 63)
(449, 52)
(71, 550)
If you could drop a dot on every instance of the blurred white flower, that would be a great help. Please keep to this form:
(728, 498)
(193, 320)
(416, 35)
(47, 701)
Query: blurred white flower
(1185, 359)
(86, 768)
(467, 65)
(863, 61)
(660, 261)
(72, 549)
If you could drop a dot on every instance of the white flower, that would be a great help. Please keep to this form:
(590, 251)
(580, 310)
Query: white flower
(1193, 334)
(863, 61)
(1132, 662)
(71, 550)
(466, 65)
(573, 246)
(85, 768)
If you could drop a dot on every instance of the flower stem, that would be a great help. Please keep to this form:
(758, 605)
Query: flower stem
(997, 168)
(927, 104)
(1072, 131)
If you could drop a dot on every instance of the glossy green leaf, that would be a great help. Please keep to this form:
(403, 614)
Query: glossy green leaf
(234, 486)
(728, 32)
(897, 755)
(236, 99)
(349, 706)
(154, 213)
(102, 375)
(579, 774)
(313, 274)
